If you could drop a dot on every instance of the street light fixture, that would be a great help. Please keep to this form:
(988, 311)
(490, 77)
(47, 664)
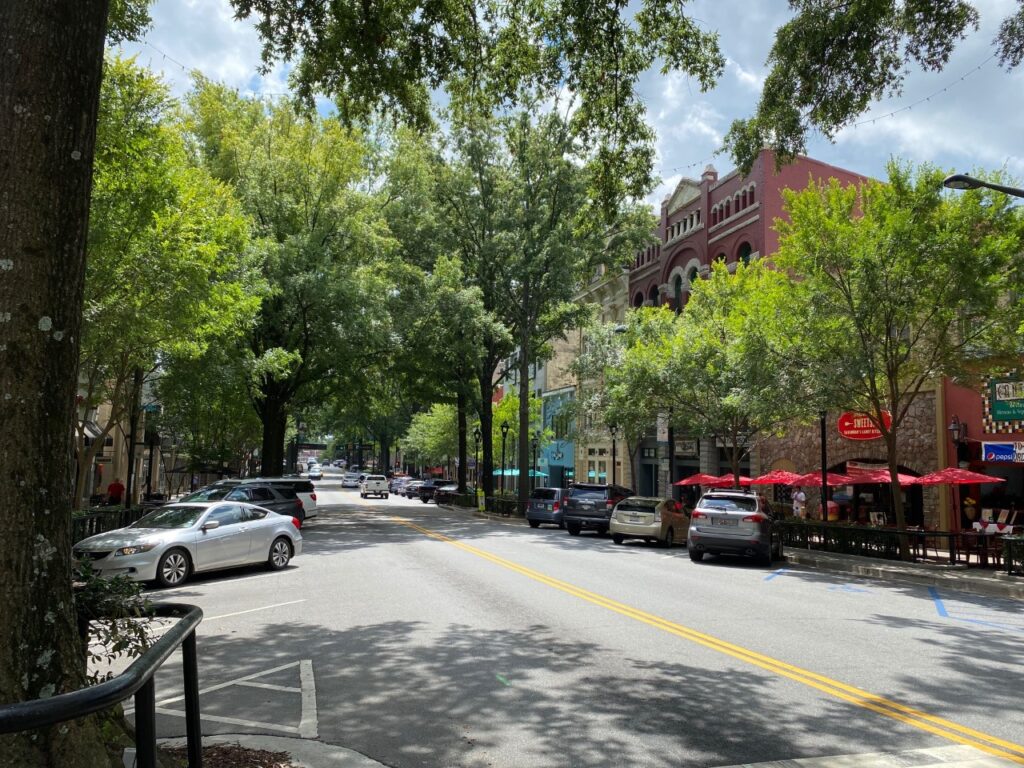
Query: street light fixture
(614, 431)
(963, 181)
(505, 427)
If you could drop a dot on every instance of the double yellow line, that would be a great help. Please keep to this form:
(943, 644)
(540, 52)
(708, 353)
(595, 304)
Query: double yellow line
(936, 725)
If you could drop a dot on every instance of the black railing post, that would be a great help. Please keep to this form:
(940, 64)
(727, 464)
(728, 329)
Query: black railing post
(145, 725)
(193, 726)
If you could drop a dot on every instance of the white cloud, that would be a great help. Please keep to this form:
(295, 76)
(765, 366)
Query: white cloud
(752, 81)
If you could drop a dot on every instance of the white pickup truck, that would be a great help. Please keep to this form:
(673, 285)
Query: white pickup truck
(374, 485)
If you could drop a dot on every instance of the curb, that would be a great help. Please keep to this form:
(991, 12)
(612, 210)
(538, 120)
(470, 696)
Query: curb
(950, 577)
(304, 753)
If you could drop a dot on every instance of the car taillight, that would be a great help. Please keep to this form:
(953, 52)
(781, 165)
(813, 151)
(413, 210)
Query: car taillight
(609, 504)
(312, 496)
(297, 523)
(757, 517)
(554, 507)
(298, 503)
(697, 515)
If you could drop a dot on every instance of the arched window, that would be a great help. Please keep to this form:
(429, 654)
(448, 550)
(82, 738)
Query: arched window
(751, 197)
(714, 216)
(679, 293)
(743, 199)
(638, 300)
(652, 295)
(727, 209)
(720, 257)
(697, 214)
(743, 254)
(692, 276)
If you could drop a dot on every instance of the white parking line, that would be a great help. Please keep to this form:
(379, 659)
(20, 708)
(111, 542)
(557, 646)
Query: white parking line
(309, 722)
(233, 721)
(253, 610)
(269, 687)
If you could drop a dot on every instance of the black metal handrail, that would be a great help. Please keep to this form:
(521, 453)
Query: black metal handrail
(137, 680)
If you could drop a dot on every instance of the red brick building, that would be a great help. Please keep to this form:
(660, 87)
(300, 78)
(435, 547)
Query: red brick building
(729, 219)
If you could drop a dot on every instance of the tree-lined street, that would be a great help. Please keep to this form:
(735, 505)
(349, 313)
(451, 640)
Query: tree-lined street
(439, 638)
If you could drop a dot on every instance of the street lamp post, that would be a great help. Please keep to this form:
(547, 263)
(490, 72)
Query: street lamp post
(614, 430)
(962, 181)
(824, 468)
(505, 427)
(476, 456)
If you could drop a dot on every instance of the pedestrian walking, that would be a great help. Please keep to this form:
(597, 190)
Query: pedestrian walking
(115, 491)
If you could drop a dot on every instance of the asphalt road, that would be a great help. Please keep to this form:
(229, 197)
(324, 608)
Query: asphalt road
(421, 637)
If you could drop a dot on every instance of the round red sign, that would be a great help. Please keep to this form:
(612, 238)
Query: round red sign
(857, 426)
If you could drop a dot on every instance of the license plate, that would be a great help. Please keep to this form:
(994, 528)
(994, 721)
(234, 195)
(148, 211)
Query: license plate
(634, 518)
(724, 521)
(550, 506)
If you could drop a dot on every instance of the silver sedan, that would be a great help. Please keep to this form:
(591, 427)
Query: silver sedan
(174, 541)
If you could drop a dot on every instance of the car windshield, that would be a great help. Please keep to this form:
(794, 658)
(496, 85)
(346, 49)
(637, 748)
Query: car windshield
(729, 504)
(589, 493)
(638, 505)
(207, 494)
(170, 517)
(375, 477)
(543, 493)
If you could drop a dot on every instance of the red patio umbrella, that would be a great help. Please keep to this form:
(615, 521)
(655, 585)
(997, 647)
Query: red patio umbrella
(775, 477)
(813, 479)
(881, 477)
(957, 476)
(728, 480)
(698, 479)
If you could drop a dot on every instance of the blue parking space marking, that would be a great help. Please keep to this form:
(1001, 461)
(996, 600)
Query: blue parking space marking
(773, 574)
(965, 611)
(848, 588)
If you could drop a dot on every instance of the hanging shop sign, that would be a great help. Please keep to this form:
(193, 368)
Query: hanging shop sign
(1011, 452)
(857, 426)
(1006, 398)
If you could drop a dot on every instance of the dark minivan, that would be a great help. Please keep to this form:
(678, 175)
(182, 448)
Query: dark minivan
(589, 505)
(546, 506)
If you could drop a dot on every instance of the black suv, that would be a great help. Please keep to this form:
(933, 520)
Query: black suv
(589, 505)
(426, 491)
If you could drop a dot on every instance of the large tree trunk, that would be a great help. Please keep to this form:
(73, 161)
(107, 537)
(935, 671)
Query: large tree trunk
(274, 415)
(461, 412)
(486, 381)
(50, 67)
(897, 496)
(524, 425)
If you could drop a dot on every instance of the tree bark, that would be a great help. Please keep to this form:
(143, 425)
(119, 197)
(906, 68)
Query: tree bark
(486, 381)
(50, 67)
(523, 495)
(461, 409)
(274, 415)
(897, 496)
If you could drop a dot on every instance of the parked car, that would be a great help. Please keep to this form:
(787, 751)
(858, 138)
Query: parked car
(412, 489)
(546, 506)
(651, 519)
(426, 491)
(315, 472)
(589, 505)
(280, 499)
(447, 493)
(735, 523)
(350, 480)
(302, 486)
(373, 485)
(169, 544)
(213, 492)
(397, 484)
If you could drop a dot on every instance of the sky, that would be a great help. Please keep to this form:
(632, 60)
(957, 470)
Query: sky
(969, 117)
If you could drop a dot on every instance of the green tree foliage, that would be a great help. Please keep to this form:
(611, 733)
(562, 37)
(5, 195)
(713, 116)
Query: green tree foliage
(486, 53)
(301, 179)
(897, 284)
(169, 265)
(433, 435)
(834, 58)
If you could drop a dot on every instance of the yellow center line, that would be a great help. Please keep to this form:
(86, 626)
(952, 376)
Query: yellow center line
(932, 724)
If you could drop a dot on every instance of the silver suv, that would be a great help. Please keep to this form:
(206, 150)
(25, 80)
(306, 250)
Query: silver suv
(734, 523)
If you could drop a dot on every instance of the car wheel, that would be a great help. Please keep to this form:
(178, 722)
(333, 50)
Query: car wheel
(385, 495)
(534, 523)
(423, 500)
(696, 555)
(280, 553)
(173, 568)
(617, 538)
(574, 530)
(670, 536)
(561, 525)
